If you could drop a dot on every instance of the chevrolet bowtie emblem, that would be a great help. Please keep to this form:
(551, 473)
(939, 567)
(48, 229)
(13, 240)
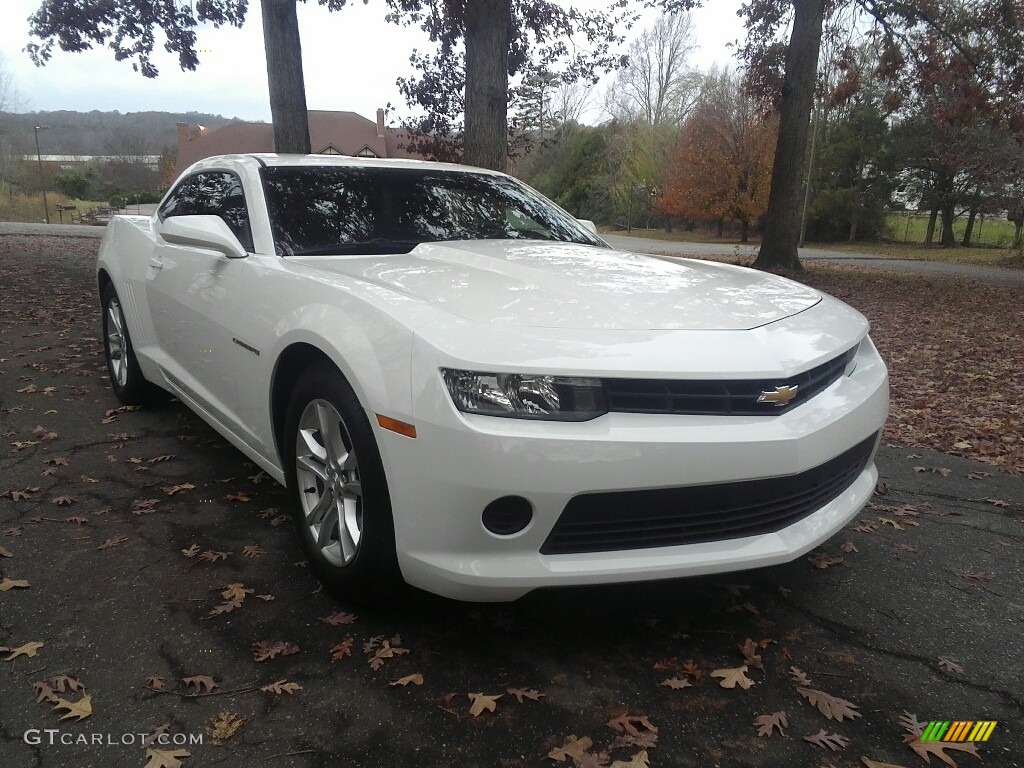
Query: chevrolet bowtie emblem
(780, 395)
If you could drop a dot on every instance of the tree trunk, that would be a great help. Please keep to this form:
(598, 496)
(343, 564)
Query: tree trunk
(1018, 226)
(782, 229)
(721, 228)
(284, 76)
(488, 24)
(744, 230)
(929, 235)
(948, 237)
(969, 232)
(668, 223)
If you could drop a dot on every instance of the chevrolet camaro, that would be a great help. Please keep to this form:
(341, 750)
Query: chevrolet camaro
(466, 389)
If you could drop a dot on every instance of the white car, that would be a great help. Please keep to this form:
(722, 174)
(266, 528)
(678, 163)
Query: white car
(465, 388)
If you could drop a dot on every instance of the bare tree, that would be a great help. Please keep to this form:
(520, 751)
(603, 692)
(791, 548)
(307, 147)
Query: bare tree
(570, 100)
(657, 86)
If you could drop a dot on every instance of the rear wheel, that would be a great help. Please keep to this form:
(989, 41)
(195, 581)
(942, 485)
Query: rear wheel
(126, 378)
(339, 490)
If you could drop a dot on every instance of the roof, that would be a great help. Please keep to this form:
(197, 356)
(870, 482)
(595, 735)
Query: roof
(274, 160)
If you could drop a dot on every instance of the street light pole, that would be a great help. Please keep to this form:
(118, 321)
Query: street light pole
(42, 181)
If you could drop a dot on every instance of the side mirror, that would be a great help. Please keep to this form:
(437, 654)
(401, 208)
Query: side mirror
(202, 232)
(588, 225)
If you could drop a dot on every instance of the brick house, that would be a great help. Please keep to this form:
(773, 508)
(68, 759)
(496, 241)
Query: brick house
(330, 133)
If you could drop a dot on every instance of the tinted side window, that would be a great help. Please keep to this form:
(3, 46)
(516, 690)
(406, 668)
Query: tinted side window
(181, 201)
(220, 193)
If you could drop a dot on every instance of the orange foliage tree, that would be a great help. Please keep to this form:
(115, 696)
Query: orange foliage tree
(722, 166)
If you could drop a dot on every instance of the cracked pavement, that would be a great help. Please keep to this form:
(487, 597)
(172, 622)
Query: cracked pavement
(870, 630)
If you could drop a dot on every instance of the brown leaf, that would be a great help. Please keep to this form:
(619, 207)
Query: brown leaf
(869, 763)
(997, 503)
(339, 619)
(227, 607)
(627, 724)
(56, 461)
(639, 760)
(978, 577)
(141, 506)
(830, 706)
(235, 592)
(113, 542)
(271, 649)
(28, 649)
(165, 758)
(676, 683)
(848, 547)
(160, 459)
(239, 496)
(385, 651)
(5, 552)
(282, 686)
(911, 724)
(62, 501)
(823, 560)
(155, 683)
(43, 692)
(8, 584)
(948, 665)
(170, 490)
(415, 679)
(691, 668)
(77, 520)
(212, 556)
(201, 682)
(766, 723)
(832, 741)
(252, 551)
(191, 551)
(79, 710)
(525, 693)
(733, 676)
(223, 726)
(572, 749)
(925, 749)
(482, 703)
(749, 650)
(342, 649)
(799, 676)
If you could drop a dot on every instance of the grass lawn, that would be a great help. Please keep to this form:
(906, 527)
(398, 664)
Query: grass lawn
(20, 207)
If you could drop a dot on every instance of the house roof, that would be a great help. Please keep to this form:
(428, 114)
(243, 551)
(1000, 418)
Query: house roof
(347, 132)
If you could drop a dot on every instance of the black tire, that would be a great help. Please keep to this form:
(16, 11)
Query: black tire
(372, 571)
(129, 385)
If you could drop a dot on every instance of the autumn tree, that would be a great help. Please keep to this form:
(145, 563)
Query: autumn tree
(130, 27)
(722, 165)
(463, 88)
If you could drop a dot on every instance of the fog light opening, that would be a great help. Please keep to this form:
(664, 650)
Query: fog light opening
(507, 515)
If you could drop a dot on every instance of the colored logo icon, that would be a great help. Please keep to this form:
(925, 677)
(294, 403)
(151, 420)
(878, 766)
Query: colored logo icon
(958, 730)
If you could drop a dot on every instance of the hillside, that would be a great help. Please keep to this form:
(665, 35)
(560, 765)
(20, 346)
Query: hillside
(102, 133)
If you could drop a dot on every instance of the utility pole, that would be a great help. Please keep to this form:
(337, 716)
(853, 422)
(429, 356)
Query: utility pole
(810, 172)
(42, 181)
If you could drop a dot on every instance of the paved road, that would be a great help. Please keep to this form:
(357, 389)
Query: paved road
(115, 502)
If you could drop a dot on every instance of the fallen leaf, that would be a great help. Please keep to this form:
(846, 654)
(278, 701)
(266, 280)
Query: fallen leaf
(573, 749)
(77, 520)
(385, 651)
(235, 592)
(156, 683)
(170, 490)
(766, 723)
(823, 560)
(43, 691)
(252, 551)
(832, 741)
(339, 619)
(160, 459)
(415, 679)
(875, 764)
(4, 552)
(627, 724)
(56, 461)
(749, 651)
(525, 693)
(28, 649)
(165, 758)
(342, 649)
(191, 551)
(733, 676)
(265, 650)
(8, 584)
(212, 556)
(849, 547)
(832, 707)
(228, 607)
(282, 686)
(240, 496)
(978, 577)
(911, 724)
(201, 682)
(691, 668)
(948, 665)
(80, 709)
(113, 542)
(482, 703)
(639, 760)
(924, 749)
(799, 676)
(223, 726)
(997, 503)
(676, 683)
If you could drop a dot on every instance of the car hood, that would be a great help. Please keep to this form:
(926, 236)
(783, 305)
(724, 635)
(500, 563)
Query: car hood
(565, 285)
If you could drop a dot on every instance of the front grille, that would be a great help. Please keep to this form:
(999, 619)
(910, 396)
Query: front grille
(620, 520)
(719, 398)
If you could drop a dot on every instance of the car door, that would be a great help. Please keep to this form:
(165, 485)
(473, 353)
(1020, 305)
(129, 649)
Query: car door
(193, 295)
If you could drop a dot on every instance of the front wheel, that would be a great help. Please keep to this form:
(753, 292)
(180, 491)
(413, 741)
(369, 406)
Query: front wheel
(337, 482)
(126, 378)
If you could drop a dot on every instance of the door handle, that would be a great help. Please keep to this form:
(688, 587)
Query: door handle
(156, 264)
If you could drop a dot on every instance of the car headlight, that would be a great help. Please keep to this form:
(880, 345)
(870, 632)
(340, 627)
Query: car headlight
(526, 395)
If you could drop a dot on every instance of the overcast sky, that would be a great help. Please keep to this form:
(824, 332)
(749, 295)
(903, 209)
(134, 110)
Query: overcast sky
(351, 60)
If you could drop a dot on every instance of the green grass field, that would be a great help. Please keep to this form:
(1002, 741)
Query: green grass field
(911, 228)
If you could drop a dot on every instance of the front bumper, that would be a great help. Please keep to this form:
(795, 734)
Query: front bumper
(441, 481)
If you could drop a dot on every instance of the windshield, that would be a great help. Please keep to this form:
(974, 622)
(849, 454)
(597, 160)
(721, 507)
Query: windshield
(374, 210)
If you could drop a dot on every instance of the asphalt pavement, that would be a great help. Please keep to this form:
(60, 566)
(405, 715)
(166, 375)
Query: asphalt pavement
(129, 528)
